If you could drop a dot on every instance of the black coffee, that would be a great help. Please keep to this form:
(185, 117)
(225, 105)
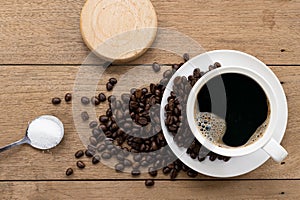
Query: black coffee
(240, 101)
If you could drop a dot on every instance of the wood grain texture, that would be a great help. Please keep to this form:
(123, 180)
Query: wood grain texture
(26, 93)
(278, 189)
(45, 32)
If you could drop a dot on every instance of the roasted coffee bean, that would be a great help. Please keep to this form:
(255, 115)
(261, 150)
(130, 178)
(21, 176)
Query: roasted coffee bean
(127, 163)
(142, 121)
(69, 172)
(106, 155)
(166, 170)
(168, 74)
(135, 172)
(144, 163)
(103, 119)
(68, 97)
(217, 64)
(152, 172)
(96, 159)
(137, 157)
(88, 153)
(119, 167)
(138, 93)
(85, 116)
(109, 86)
(111, 98)
(102, 97)
(93, 141)
(85, 100)
(156, 67)
(175, 67)
(100, 138)
(149, 182)
(103, 127)
(113, 81)
(109, 112)
(120, 157)
(192, 173)
(96, 132)
(226, 159)
(213, 157)
(173, 174)
(186, 57)
(93, 124)
(79, 154)
(56, 101)
(80, 164)
(101, 147)
(95, 101)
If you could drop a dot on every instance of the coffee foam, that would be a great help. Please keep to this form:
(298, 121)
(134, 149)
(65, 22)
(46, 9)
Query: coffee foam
(213, 128)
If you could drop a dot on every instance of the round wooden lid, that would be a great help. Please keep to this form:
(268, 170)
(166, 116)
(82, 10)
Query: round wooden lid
(118, 30)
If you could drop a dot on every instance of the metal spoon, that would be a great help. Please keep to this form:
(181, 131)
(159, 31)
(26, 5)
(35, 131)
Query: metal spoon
(45, 132)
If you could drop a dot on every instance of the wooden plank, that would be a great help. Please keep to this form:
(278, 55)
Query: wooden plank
(275, 189)
(39, 32)
(26, 93)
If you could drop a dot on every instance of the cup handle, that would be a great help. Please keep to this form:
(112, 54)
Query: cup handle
(275, 150)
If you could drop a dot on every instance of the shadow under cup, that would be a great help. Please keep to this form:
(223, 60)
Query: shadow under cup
(232, 111)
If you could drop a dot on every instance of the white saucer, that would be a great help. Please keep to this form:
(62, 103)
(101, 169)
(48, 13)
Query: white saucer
(237, 165)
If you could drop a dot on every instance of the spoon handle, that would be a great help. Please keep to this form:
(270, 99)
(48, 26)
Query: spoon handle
(22, 141)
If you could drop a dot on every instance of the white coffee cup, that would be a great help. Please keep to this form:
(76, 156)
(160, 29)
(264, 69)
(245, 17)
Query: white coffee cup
(266, 142)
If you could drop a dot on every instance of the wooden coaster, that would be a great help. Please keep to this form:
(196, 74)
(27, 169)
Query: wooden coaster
(118, 30)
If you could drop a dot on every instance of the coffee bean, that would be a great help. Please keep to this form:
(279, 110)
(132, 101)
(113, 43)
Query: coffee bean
(68, 97)
(103, 119)
(89, 153)
(138, 93)
(173, 174)
(217, 64)
(93, 124)
(69, 171)
(80, 164)
(56, 101)
(156, 67)
(149, 182)
(95, 101)
(143, 121)
(109, 86)
(79, 154)
(111, 98)
(113, 81)
(152, 172)
(93, 141)
(144, 163)
(168, 74)
(101, 147)
(96, 159)
(85, 116)
(226, 159)
(102, 97)
(186, 57)
(135, 172)
(166, 170)
(85, 100)
(96, 132)
(106, 155)
(213, 157)
(192, 173)
(127, 163)
(119, 167)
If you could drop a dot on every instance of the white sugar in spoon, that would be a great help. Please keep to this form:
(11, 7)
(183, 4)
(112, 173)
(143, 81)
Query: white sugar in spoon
(45, 132)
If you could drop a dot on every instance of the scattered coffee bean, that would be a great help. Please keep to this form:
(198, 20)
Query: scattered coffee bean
(103, 119)
(152, 172)
(156, 67)
(127, 163)
(56, 101)
(149, 182)
(102, 97)
(186, 57)
(88, 153)
(69, 171)
(111, 98)
(113, 81)
(68, 97)
(192, 173)
(96, 159)
(85, 100)
(119, 167)
(93, 124)
(109, 86)
(95, 101)
(79, 154)
(85, 116)
(173, 174)
(166, 170)
(80, 164)
(106, 155)
(101, 147)
(135, 172)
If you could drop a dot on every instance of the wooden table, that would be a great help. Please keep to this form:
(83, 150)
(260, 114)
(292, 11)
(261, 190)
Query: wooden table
(41, 51)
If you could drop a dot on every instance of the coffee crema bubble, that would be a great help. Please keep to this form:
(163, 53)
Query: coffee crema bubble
(213, 128)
